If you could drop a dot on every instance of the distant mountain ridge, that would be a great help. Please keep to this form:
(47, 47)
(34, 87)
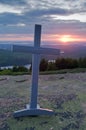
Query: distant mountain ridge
(7, 57)
(6, 46)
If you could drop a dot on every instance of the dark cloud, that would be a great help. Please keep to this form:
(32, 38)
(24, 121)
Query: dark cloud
(57, 26)
(13, 2)
(84, 5)
(17, 29)
(49, 26)
(70, 0)
(9, 18)
(51, 11)
(67, 27)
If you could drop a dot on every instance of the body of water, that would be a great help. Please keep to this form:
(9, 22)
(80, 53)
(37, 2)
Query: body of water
(10, 67)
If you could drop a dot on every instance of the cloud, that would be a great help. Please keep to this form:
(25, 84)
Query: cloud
(51, 11)
(15, 37)
(68, 27)
(9, 18)
(57, 17)
(9, 9)
(84, 4)
(37, 11)
(13, 2)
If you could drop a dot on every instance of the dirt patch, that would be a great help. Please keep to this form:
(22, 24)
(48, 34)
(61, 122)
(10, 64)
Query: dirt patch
(23, 80)
(58, 100)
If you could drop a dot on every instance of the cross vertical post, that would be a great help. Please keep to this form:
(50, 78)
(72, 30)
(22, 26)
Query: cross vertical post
(35, 67)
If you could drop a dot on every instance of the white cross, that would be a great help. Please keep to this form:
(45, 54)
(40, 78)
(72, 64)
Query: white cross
(33, 108)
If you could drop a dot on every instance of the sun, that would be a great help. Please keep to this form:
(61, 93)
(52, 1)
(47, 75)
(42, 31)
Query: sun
(66, 38)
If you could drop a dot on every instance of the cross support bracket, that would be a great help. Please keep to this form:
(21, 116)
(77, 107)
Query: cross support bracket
(32, 112)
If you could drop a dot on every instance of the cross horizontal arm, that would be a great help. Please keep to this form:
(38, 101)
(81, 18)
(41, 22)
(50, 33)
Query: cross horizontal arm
(36, 50)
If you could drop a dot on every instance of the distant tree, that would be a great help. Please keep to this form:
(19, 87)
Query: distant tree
(15, 69)
(66, 63)
(60, 63)
(19, 69)
(22, 69)
(75, 63)
(71, 63)
(82, 62)
(43, 65)
(51, 66)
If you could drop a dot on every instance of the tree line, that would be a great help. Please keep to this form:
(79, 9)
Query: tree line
(58, 64)
(62, 63)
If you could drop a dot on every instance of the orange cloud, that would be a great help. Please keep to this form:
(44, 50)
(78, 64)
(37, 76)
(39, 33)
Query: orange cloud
(15, 37)
(45, 37)
(63, 38)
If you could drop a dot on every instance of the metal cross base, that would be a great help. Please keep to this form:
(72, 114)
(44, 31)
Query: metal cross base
(32, 112)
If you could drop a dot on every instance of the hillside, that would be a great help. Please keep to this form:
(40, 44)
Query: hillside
(7, 57)
(10, 58)
(65, 94)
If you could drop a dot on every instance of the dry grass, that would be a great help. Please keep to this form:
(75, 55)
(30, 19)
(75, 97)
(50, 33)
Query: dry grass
(64, 93)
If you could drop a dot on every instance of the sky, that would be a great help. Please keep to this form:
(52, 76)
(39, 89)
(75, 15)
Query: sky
(62, 20)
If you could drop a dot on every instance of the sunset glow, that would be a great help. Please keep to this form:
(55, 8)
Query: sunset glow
(66, 38)
(63, 38)
(63, 22)
(71, 38)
